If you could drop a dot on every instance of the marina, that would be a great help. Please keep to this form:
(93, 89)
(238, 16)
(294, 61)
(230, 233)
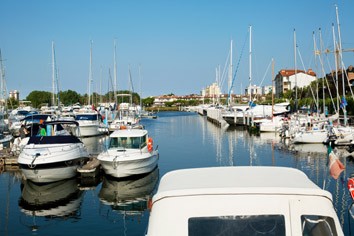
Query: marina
(101, 203)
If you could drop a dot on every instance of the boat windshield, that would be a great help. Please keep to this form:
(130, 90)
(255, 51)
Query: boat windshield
(128, 142)
(318, 225)
(86, 117)
(237, 225)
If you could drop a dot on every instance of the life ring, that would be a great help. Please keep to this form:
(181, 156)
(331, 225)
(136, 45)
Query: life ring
(150, 144)
(123, 127)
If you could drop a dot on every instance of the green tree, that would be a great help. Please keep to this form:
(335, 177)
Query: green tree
(69, 97)
(148, 102)
(39, 97)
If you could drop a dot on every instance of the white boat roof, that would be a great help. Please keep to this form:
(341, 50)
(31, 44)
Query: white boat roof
(237, 180)
(129, 133)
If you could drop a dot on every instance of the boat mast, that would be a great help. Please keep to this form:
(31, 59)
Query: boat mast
(53, 74)
(272, 87)
(336, 63)
(141, 93)
(295, 64)
(90, 76)
(2, 84)
(115, 74)
(315, 52)
(341, 59)
(250, 66)
(230, 76)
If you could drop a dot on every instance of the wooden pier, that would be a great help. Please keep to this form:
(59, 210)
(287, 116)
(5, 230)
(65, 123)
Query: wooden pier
(91, 169)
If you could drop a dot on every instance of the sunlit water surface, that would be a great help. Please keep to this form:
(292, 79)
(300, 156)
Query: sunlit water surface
(106, 206)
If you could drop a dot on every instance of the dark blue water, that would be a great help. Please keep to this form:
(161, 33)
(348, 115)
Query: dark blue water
(106, 206)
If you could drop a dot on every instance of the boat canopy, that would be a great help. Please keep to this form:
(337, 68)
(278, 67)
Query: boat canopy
(129, 133)
(36, 118)
(255, 180)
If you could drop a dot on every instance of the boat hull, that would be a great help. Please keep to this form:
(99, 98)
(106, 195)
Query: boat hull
(49, 154)
(124, 167)
(87, 130)
(44, 163)
(310, 137)
(49, 175)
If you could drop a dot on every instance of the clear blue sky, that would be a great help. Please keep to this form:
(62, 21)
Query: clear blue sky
(178, 44)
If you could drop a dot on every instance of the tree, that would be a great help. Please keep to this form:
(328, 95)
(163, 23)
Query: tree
(69, 97)
(39, 97)
(148, 102)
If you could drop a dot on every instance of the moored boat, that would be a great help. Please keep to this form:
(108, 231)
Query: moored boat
(241, 201)
(130, 152)
(58, 149)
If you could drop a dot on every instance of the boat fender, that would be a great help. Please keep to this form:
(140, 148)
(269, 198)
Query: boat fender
(2, 161)
(150, 144)
(350, 185)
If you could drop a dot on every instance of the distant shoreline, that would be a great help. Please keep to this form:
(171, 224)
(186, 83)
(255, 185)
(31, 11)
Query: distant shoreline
(158, 109)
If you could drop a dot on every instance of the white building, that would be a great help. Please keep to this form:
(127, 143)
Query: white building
(15, 95)
(212, 90)
(286, 80)
(267, 90)
(254, 90)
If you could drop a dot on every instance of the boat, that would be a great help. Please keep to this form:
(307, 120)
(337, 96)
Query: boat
(5, 140)
(130, 152)
(247, 200)
(271, 125)
(89, 122)
(126, 117)
(310, 136)
(58, 149)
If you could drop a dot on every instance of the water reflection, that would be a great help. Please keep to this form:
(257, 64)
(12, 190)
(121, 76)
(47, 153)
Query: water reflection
(130, 194)
(125, 201)
(40, 202)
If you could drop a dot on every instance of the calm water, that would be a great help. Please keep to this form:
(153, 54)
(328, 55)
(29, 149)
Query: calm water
(185, 140)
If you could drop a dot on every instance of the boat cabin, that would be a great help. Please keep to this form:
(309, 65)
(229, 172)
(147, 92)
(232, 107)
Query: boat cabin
(128, 139)
(241, 201)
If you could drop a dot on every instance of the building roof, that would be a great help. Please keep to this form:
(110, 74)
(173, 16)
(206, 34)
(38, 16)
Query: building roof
(291, 72)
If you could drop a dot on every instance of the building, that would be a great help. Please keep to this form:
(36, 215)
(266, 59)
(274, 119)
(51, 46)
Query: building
(286, 80)
(211, 91)
(161, 100)
(254, 90)
(267, 89)
(15, 95)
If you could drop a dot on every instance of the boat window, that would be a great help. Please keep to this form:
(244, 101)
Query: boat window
(113, 143)
(86, 117)
(136, 141)
(251, 225)
(313, 225)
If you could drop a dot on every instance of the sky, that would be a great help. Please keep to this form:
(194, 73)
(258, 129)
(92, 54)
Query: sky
(164, 46)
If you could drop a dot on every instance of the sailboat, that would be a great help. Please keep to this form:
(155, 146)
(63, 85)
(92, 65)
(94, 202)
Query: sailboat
(90, 121)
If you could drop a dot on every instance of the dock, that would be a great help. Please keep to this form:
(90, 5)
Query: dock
(213, 115)
(91, 169)
(7, 157)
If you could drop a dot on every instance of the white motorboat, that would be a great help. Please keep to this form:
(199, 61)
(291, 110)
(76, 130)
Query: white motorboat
(271, 125)
(310, 136)
(58, 149)
(241, 201)
(130, 152)
(90, 123)
(125, 118)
